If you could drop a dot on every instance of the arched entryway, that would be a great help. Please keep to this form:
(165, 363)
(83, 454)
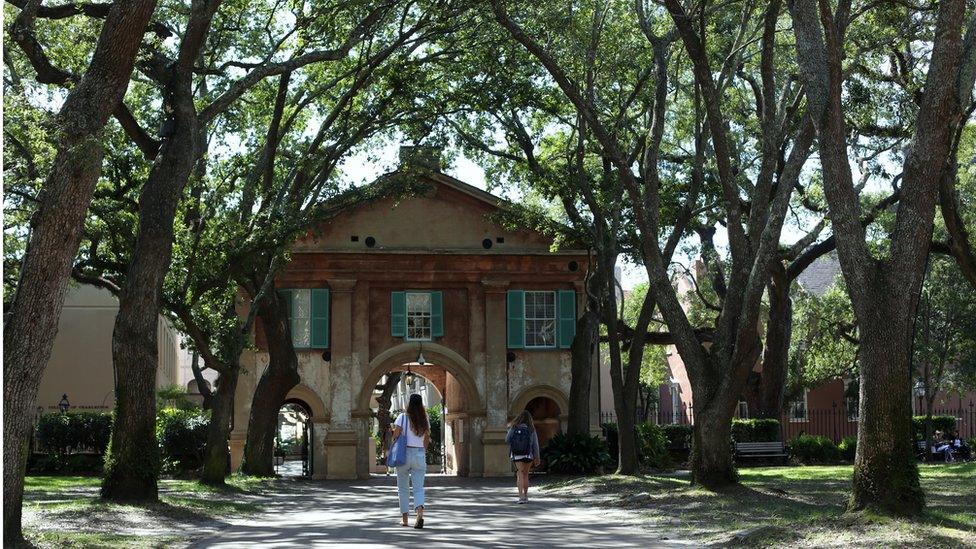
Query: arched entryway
(390, 401)
(293, 439)
(451, 375)
(548, 407)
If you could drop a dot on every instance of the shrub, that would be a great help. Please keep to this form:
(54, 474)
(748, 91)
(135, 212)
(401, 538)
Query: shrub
(70, 433)
(679, 436)
(847, 448)
(812, 449)
(182, 437)
(576, 454)
(652, 446)
(755, 430)
(939, 423)
(73, 464)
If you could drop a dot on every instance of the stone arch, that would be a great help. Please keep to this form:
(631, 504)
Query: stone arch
(439, 355)
(526, 395)
(310, 398)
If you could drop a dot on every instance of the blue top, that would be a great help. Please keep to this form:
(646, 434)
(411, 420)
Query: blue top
(535, 444)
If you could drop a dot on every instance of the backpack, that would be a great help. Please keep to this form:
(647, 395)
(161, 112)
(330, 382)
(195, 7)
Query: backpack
(521, 441)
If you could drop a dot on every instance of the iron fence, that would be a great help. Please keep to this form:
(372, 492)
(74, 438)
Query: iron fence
(835, 422)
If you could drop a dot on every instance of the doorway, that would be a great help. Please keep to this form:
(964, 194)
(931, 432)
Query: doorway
(293, 439)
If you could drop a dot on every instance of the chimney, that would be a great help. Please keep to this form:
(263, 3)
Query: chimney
(424, 157)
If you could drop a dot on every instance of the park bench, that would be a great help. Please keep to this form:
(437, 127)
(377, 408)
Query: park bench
(761, 450)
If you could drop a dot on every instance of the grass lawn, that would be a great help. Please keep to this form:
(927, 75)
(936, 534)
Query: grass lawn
(66, 512)
(787, 507)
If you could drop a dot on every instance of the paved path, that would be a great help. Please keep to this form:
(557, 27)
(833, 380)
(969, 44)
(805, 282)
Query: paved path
(460, 513)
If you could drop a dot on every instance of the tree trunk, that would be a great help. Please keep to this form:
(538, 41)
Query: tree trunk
(628, 462)
(587, 336)
(131, 466)
(278, 378)
(772, 381)
(32, 325)
(383, 402)
(712, 465)
(885, 471)
(216, 460)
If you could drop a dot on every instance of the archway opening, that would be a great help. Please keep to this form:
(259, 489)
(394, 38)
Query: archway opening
(293, 439)
(545, 415)
(443, 397)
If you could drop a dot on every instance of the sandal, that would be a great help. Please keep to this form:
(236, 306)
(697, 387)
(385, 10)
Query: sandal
(419, 525)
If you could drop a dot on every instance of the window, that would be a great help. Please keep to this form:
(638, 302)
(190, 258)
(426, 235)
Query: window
(851, 398)
(675, 403)
(798, 408)
(418, 316)
(743, 410)
(308, 310)
(301, 314)
(540, 319)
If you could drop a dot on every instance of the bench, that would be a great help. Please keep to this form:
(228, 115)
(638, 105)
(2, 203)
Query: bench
(761, 450)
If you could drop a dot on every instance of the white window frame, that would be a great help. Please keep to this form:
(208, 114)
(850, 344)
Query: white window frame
(743, 409)
(428, 314)
(855, 413)
(531, 320)
(806, 409)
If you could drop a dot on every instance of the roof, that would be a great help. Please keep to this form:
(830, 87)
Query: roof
(820, 275)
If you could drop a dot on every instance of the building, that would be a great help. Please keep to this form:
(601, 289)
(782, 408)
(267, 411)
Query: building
(829, 409)
(80, 370)
(492, 310)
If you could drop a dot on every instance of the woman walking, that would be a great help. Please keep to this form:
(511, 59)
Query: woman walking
(523, 443)
(414, 425)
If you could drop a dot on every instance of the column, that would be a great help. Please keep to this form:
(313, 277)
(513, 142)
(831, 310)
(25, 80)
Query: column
(342, 440)
(496, 460)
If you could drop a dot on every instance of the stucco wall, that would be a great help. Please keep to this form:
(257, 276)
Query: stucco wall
(81, 358)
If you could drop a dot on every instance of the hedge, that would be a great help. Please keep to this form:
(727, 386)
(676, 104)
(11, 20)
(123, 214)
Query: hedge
(847, 448)
(939, 423)
(808, 449)
(755, 430)
(70, 433)
(679, 436)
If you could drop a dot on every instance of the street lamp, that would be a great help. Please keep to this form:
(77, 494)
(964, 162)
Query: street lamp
(64, 404)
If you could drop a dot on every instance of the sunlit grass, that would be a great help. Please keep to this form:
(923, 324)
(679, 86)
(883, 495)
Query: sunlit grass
(784, 506)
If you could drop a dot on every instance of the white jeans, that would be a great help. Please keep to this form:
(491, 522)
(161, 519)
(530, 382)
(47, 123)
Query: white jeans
(412, 472)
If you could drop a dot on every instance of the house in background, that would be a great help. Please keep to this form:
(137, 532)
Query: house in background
(829, 409)
(491, 308)
(80, 371)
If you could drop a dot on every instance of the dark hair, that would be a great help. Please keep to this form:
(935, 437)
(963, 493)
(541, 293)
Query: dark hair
(525, 418)
(417, 415)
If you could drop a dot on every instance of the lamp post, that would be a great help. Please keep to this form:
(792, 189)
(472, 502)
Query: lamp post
(64, 404)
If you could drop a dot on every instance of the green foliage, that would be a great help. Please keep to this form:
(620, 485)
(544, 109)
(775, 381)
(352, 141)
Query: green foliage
(576, 454)
(810, 449)
(755, 430)
(182, 436)
(652, 446)
(946, 424)
(944, 350)
(821, 348)
(847, 448)
(173, 396)
(679, 436)
(63, 434)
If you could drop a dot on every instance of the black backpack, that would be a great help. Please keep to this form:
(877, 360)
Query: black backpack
(521, 440)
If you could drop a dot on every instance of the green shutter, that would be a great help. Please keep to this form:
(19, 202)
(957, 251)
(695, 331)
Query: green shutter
(398, 314)
(320, 318)
(566, 311)
(516, 319)
(436, 314)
